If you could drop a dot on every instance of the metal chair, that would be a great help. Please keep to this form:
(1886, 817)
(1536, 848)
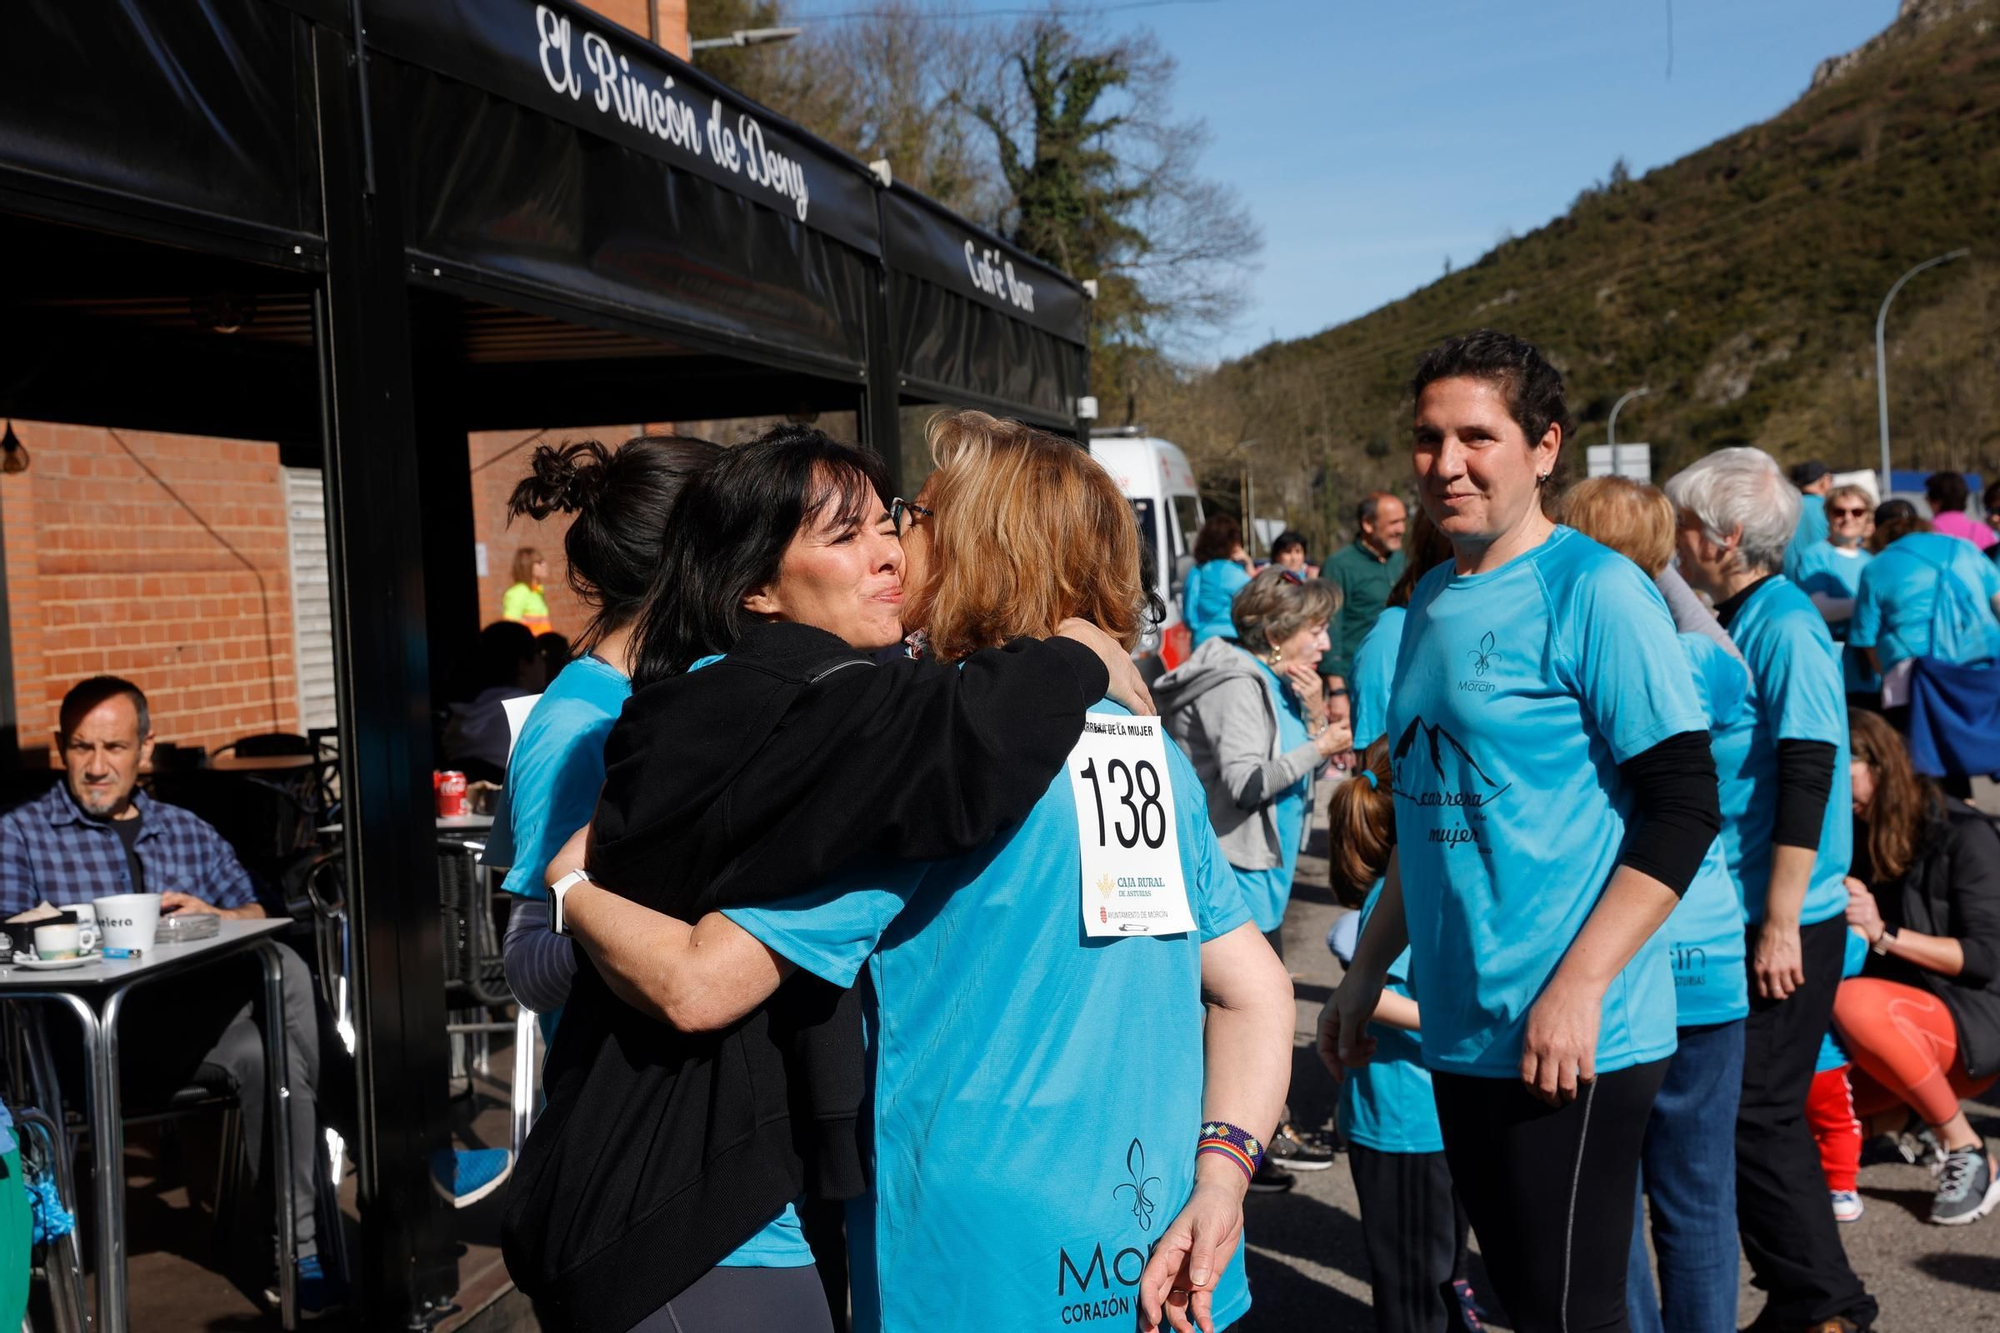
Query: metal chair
(45, 1148)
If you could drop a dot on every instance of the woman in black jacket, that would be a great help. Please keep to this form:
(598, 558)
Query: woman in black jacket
(665, 1160)
(1922, 1021)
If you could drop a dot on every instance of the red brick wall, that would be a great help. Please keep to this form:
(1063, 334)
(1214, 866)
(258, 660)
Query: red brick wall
(107, 574)
(499, 462)
(667, 18)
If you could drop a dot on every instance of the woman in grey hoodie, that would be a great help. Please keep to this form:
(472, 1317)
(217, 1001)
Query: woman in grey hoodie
(1250, 714)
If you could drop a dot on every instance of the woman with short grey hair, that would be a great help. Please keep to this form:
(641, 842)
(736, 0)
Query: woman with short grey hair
(1251, 714)
(1787, 835)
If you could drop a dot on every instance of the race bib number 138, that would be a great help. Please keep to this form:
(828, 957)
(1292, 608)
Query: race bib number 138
(1132, 880)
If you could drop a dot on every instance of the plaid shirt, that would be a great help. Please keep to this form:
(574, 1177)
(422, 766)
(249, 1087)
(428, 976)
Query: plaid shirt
(51, 851)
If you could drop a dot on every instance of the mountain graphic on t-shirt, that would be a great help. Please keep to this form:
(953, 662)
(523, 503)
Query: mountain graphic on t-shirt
(1438, 738)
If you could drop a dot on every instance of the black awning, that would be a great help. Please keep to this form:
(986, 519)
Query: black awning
(977, 320)
(502, 196)
(201, 105)
(564, 61)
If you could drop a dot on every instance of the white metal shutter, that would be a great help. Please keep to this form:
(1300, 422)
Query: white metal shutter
(312, 597)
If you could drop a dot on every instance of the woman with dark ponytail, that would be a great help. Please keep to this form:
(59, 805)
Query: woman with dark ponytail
(1411, 1220)
(621, 500)
(1555, 795)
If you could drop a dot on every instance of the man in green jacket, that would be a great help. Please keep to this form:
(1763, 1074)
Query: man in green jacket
(1363, 571)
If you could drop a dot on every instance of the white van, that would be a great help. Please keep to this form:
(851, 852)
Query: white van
(1155, 477)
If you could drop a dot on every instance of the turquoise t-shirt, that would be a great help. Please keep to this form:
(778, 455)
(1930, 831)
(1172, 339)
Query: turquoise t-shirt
(1266, 892)
(555, 772)
(1386, 1104)
(1374, 672)
(1211, 586)
(1811, 529)
(558, 766)
(1835, 571)
(1832, 1055)
(1892, 613)
(1518, 693)
(1037, 1092)
(1705, 933)
(1797, 693)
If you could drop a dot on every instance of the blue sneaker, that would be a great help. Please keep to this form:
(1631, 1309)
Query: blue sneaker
(320, 1293)
(468, 1175)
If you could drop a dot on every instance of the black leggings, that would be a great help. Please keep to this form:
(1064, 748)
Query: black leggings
(1550, 1191)
(745, 1300)
(1414, 1229)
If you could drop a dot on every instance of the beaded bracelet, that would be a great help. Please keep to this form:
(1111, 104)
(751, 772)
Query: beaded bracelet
(1226, 1140)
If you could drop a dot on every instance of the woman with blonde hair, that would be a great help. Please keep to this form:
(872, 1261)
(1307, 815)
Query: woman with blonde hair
(1829, 572)
(760, 750)
(1022, 991)
(523, 600)
(1688, 1163)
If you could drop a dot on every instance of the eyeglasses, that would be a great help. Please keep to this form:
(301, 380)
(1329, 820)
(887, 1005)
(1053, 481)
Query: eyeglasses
(1848, 513)
(899, 508)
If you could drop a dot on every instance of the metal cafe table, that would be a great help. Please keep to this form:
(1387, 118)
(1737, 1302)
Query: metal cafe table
(96, 992)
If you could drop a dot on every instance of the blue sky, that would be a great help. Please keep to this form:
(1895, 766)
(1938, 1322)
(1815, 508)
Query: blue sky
(1371, 138)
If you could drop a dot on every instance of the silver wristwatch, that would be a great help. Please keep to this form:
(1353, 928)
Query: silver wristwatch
(557, 892)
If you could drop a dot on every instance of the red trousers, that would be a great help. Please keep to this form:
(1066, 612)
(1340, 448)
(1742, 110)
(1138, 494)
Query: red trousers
(1835, 1128)
(1905, 1049)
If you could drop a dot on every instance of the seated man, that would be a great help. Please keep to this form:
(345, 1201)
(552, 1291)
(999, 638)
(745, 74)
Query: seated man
(96, 834)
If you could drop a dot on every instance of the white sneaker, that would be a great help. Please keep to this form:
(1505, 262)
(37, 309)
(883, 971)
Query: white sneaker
(1846, 1206)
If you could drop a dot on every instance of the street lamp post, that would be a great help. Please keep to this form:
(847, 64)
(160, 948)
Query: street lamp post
(1249, 499)
(1882, 354)
(746, 37)
(1611, 427)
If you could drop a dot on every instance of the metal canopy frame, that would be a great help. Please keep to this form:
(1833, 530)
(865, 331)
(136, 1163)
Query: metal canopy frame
(379, 357)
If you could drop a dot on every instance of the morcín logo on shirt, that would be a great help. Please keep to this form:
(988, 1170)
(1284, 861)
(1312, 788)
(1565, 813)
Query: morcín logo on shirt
(1098, 1285)
(1433, 770)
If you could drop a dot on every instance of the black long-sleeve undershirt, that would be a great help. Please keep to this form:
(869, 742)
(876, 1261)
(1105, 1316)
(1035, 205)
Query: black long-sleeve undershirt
(1805, 784)
(1675, 811)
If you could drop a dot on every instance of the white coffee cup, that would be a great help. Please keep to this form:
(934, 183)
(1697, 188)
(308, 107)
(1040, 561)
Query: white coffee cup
(60, 940)
(128, 920)
(86, 924)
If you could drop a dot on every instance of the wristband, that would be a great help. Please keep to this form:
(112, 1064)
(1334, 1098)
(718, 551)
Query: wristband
(1226, 1140)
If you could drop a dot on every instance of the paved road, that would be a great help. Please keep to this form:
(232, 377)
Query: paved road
(1308, 1270)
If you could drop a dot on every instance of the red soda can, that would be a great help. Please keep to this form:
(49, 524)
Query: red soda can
(451, 799)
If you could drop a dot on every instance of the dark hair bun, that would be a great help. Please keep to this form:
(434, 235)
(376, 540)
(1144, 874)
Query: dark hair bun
(561, 480)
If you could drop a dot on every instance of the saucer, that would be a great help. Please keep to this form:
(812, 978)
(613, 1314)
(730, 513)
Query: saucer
(34, 964)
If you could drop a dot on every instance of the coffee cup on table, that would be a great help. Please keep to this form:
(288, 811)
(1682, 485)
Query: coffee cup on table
(86, 922)
(60, 940)
(128, 921)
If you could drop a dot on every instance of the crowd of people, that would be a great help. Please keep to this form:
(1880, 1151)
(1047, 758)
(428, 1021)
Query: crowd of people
(1657, 920)
(905, 958)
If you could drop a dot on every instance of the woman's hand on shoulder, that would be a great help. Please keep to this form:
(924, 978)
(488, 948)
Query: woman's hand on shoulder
(1127, 687)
